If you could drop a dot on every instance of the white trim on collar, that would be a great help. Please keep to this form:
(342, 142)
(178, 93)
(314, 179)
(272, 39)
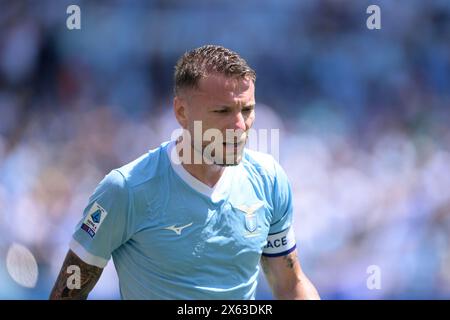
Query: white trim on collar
(214, 193)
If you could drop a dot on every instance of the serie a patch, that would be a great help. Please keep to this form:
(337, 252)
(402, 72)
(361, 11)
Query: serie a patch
(94, 219)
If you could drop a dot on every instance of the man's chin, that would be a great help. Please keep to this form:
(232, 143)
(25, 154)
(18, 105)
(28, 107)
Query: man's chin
(227, 160)
(229, 163)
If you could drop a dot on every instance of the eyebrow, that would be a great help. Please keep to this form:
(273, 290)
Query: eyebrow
(230, 107)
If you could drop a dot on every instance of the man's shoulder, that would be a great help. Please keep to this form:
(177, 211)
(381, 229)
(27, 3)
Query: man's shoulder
(260, 162)
(148, 166)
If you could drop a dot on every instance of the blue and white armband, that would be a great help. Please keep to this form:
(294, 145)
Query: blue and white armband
(280, 243)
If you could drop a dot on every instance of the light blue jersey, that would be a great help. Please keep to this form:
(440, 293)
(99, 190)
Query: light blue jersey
(173, 237)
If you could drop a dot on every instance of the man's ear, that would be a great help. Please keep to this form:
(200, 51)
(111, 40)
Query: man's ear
(180, 110)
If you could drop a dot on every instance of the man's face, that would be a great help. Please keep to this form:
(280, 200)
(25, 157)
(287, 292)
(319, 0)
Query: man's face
(226, 104)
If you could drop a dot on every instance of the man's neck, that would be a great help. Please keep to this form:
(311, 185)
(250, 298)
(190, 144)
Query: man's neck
(209, 174)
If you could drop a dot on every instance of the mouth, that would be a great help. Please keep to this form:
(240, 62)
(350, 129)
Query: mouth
(233, 144)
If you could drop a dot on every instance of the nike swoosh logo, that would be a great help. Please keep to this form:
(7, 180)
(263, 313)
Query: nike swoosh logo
(178, 230)
(251, 209)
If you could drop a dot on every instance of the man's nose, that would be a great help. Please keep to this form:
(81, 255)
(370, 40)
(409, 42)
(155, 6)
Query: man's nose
(239, 122)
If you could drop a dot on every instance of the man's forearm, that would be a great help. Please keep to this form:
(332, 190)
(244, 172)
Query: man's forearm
(89, 276)
(303, 289)
(287, 279)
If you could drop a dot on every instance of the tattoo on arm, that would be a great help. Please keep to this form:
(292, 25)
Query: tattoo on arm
(89, 276)
(272, 272)
(290, 260)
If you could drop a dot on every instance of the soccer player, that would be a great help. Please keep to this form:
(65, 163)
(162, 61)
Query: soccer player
(178, 228)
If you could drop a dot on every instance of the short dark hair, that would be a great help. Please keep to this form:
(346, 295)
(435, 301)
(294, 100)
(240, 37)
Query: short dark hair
(200, 62)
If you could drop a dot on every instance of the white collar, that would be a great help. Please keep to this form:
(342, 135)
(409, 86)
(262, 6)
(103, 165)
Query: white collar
(215, 193)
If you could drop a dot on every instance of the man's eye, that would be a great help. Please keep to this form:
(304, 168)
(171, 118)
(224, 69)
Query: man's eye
(247, 110)
(221, 111)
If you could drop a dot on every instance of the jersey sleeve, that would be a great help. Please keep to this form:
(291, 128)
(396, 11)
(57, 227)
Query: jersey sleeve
(103, 226)
(281, 238)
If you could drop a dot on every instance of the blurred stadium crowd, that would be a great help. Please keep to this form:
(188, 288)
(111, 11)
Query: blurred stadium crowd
(363, 117)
